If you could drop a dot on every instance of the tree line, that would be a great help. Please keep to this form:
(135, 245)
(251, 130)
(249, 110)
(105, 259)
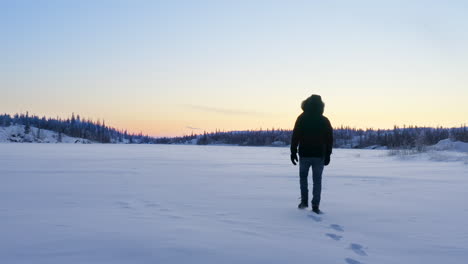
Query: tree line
(344, 137)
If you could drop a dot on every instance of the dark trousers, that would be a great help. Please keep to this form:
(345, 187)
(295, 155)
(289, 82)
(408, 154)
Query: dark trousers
(317, 168)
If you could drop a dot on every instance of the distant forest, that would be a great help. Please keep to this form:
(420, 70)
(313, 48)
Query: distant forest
(344, 137)
(75, 126)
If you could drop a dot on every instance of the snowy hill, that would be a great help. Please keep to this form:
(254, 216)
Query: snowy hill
(449, 145)
(16, 133)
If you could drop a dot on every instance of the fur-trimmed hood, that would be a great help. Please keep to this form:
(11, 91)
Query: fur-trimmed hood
(313, 105)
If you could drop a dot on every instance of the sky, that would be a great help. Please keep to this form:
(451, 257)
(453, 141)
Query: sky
(169, 68)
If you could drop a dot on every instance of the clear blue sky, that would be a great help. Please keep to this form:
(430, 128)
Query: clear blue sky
(166, 67)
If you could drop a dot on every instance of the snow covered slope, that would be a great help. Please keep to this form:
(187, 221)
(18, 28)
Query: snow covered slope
(17, 133)
(450, 145)
(75, 203)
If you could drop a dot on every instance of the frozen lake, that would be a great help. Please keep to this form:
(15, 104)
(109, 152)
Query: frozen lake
(65, 203)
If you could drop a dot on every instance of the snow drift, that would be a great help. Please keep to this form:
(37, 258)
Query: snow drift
(449, 145)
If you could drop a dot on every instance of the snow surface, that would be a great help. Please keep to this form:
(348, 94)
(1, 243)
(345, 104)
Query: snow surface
(75, 203)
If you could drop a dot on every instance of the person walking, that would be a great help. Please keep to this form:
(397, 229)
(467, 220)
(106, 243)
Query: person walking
(313, 134)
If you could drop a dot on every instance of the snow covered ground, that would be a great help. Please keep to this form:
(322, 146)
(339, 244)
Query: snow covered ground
(75, 203)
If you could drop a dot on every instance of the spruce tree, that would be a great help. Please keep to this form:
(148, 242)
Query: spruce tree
(27, 128)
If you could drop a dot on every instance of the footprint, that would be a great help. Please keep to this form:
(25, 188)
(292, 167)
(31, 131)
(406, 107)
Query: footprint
(357, 249)
(337, 227)
(124, 205)
(230, 221)
(150, 204)
(334, 236)
(238, 222)
(247, 232)
(175, 216)
(316, 218)
(352, 261)
(221, 214)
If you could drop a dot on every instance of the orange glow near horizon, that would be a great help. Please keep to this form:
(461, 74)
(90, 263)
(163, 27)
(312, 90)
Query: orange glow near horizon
(159, 119)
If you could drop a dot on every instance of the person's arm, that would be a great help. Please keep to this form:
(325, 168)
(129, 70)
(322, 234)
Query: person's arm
(328, 141)
(296, 135)
(295, 140)
(329, 138)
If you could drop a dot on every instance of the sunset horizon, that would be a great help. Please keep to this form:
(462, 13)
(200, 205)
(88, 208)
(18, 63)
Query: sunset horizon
(189, 130)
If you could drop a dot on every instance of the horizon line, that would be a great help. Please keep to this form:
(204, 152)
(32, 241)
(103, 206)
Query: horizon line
(217, 130)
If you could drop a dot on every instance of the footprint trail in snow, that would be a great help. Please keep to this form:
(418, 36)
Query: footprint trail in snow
(358, 249)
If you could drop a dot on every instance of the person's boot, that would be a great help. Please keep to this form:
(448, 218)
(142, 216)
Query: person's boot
(315, 209)
(303, 205)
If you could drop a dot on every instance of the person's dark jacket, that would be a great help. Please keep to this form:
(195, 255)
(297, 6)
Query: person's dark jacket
(312, 132)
